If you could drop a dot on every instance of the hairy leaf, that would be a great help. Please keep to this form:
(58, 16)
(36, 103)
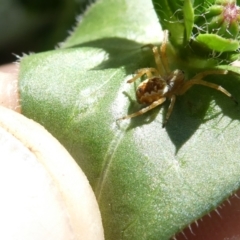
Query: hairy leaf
(150, 182)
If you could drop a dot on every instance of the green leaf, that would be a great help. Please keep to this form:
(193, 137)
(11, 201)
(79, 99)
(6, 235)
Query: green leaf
(170, 14)
(217, 43)
(150, 182)
(188, 13)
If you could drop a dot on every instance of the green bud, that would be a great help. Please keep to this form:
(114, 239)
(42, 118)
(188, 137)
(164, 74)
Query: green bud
(221, 19)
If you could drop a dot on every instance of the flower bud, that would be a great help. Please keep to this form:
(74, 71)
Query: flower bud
(221, 19)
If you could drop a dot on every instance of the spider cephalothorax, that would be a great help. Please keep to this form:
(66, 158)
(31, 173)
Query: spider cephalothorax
(162, 84)
(156, 87)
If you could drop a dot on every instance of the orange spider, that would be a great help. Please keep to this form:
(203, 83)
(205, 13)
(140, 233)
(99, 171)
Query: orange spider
(162, 84)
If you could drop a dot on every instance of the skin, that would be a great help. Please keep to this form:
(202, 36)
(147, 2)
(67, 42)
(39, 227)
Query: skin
(9, 95)
(58, 187)
(222, 226)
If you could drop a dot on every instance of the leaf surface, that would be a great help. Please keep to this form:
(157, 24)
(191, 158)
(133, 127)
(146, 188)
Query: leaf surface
(217, 43)
(150, 182)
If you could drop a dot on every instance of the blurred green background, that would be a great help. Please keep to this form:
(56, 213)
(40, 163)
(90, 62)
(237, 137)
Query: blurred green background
(35, 25)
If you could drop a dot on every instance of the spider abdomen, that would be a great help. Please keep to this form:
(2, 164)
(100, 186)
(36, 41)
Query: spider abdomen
(151, 90)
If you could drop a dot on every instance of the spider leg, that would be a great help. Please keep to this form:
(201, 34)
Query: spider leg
(212, 85)
(210, 72)
(157, 57)
(140, 72)
(144, 110)
(170, 108)
(188, 84)
(163, 53)
(198, 80)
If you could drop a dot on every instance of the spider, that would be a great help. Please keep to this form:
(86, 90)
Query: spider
(162, 83)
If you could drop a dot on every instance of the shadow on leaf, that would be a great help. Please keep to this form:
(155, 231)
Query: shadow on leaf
(121, 53)
(190, 109)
